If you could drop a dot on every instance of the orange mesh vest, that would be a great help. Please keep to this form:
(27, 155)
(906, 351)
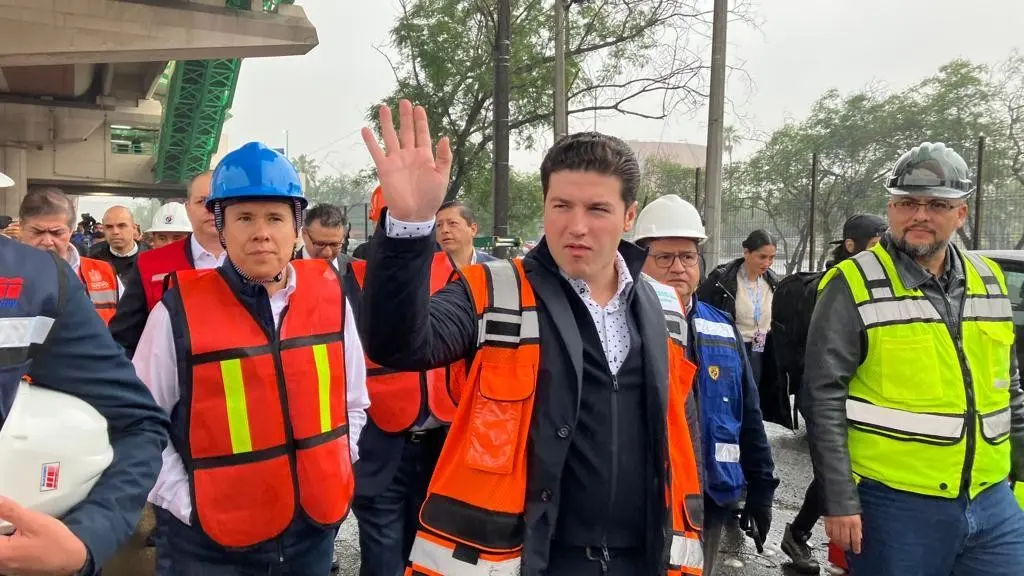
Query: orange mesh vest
(100, 282)
(267, 419)
(472, 522)
(396, 397)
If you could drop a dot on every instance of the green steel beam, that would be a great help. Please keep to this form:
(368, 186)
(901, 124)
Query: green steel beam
(200, 94)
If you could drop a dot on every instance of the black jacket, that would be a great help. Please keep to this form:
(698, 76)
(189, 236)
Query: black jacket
(122, 264)
(404, 329)
(836, 347)
(719, 290)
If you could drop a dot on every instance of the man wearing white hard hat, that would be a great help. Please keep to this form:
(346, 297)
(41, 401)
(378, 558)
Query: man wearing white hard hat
(79, 447)
(736, 456)
(170, 224)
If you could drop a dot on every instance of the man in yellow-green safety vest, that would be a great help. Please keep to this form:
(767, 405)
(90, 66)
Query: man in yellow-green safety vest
(915, 412)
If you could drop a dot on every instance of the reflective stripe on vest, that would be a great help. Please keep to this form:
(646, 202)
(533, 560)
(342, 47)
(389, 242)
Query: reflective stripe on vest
(267, 419)
(395, 397)
(472, 522)
(907, 401)
(100, 283)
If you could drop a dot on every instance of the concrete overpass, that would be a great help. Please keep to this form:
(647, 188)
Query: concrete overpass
(126, 97)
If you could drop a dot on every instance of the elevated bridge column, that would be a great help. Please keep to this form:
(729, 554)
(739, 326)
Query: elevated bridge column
(14, 163)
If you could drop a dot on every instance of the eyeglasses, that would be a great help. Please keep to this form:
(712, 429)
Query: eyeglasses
(665, 260)
(910, 206)
(327, 245)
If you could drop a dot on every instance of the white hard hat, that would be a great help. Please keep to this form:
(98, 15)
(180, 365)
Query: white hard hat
(670, 216)
(53, 449)
(5, 181)
(171, 217)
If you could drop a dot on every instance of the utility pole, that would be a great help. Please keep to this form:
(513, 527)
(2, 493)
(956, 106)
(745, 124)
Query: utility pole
(716, 121)
(502, 56)
(561, 116)
(814, 198)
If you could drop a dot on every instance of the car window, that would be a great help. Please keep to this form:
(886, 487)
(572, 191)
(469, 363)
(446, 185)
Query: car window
(1014, 272)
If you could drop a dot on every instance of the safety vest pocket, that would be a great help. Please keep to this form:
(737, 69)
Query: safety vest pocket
(997, 345)
(995, 426)
(245, 504)
(498, 411)
(911, 383)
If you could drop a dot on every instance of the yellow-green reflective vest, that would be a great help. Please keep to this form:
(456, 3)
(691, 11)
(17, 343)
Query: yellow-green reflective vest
(917, 421)
(1018, 493)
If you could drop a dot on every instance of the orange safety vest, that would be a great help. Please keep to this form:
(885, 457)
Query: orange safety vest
(477, 495)
(396, 397)
(100, 282)
(267, 416)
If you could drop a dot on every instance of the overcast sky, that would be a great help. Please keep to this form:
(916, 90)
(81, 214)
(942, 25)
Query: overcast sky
(800, 49)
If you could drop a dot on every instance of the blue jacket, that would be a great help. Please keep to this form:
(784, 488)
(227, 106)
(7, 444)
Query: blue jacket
(79, 357)
(736, 451)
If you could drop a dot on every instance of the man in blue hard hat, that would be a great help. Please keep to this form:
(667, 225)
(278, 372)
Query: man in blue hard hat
(259, 364)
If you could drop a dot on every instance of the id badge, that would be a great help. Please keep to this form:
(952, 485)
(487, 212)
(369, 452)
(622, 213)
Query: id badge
(759, 340)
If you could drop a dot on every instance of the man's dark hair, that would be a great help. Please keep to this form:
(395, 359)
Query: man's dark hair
(593, 152)
(328, 215)
(465, 211)
(49, 201)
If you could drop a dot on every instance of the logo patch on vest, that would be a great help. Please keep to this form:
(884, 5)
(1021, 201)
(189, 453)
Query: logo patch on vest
(10, 292)
(49, 477)
(714, 371)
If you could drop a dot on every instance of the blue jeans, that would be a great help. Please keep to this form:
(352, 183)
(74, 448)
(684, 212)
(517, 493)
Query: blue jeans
(910, 535)
(303, 550)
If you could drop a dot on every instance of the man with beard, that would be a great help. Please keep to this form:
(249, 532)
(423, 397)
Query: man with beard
(915, 413)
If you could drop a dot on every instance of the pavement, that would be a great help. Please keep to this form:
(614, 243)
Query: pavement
(738, 556)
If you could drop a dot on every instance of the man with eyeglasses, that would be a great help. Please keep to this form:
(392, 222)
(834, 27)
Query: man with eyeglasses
(736, 456)
(323, 235)
(915, 413)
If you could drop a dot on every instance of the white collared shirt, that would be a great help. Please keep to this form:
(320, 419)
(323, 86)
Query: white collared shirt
(202, 259)
(611, 321)
(128, 254)
(156, 364)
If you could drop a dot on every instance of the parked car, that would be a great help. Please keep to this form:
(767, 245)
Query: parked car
(1012, 263)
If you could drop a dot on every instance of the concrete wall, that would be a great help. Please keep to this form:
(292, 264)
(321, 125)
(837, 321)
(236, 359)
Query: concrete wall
(90, 159)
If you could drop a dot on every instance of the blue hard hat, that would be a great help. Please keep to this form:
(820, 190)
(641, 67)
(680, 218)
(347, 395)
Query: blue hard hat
(255, 171)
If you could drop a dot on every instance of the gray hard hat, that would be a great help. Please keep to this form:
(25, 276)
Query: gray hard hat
(930, 170)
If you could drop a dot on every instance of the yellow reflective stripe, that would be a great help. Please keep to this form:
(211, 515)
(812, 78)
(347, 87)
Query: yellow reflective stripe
(234, 398)
(323, 376)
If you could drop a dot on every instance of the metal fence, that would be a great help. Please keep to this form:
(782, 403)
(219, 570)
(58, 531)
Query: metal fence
(996, 210)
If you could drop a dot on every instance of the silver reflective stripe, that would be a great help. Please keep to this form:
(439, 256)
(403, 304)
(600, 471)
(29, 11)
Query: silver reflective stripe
(985, 271)
(504, 287)
(686, 552)
(439, 559)
(871, 266)
(727, 452)
(103, 297)
(527, 322)
(881, 293)
(995, 308)
(720, 329)
(676, 327)
(873, 313)
(996, 425)
(23, 332)
(936, 426)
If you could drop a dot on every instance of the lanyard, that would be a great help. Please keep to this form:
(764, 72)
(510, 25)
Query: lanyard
(754, 294)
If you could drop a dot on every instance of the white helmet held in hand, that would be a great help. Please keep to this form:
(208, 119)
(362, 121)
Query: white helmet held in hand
(670, 216)
(171, 217)
(53, 449)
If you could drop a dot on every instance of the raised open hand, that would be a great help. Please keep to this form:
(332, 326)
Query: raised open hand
(412, 181)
